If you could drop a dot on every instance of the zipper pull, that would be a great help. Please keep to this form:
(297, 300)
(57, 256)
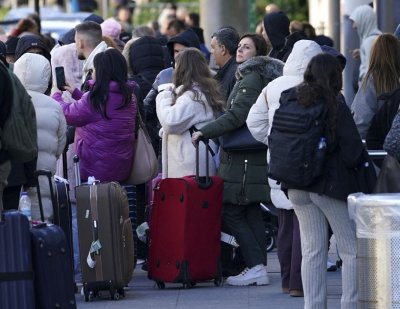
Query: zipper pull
(244, 176)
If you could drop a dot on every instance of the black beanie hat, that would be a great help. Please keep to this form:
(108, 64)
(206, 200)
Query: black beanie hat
(30, 41)
(69, 36)
(95, 18)
(11, 45)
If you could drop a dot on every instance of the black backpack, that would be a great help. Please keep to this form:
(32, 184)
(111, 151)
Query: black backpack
(296, 143)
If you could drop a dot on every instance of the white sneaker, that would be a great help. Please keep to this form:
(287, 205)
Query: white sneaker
(256, 275)
(331, 266)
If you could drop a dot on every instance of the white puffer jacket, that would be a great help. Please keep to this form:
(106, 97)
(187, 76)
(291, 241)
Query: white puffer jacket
(34, 72)
(262, 112)
(66, 56)
(178, 152)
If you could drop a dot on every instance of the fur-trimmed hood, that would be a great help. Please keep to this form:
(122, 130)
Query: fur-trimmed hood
(267, 67)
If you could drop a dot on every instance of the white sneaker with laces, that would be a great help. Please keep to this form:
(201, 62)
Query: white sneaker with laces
(256, 275)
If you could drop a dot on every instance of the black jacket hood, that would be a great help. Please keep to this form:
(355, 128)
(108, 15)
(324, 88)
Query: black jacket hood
(188, 38)
(277, 27)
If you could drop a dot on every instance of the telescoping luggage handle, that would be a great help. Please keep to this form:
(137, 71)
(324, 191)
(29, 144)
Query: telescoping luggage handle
(77, 171)
(95, 246)
(207, 182)
(48, 174)
(377, 154)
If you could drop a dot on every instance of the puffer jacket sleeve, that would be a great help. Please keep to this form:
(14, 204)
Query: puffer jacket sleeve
(61, 133)
(78, 113)
(257, 120)
(243, 96)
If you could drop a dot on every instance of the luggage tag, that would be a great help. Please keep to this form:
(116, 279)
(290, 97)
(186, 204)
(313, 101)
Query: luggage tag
(95, 247)
(141, 231)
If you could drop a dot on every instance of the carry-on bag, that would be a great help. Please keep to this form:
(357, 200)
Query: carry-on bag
(185, 229)
(105, 237)
(52, 264)
(62, 211)
(62, 208)
(16, 270)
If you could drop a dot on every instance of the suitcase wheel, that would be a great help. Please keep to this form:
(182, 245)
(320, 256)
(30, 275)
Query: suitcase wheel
(86, 294)
(160, 285)
(114, 295)
(121, 292)
(218, 282)
(89, 295)
(188, 285)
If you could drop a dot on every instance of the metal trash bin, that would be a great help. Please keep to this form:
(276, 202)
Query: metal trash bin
(377, 218)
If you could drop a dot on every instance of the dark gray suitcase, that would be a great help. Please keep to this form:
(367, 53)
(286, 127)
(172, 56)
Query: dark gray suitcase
(105, 237)
(16, 270)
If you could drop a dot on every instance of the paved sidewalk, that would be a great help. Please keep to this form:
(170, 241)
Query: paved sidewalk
(142, 293)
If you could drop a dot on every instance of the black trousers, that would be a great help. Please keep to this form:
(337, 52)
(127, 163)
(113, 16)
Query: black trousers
(11, 197)
(289, 249)
(247, 225)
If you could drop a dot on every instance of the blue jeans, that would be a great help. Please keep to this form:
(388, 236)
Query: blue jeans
(75, 241)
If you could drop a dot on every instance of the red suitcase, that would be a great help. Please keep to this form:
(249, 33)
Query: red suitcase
(185, 230)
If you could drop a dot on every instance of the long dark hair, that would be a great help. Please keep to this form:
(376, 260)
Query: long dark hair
(322, 82)
(192, 72)
(109, 66)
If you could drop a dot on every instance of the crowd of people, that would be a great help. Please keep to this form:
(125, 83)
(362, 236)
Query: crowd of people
(114, 71)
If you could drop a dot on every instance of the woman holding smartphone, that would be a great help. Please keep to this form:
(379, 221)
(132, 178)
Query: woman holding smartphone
(104, 118)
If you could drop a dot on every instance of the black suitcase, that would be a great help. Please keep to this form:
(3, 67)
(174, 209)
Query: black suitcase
(52, 264)
(63, 213)
(16, 272)
(62, 208)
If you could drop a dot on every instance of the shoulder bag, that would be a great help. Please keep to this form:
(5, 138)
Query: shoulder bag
(240, 140)
(389, 177)
(145, 163)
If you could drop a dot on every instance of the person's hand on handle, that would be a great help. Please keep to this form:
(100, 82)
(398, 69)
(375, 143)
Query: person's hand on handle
(196, 136)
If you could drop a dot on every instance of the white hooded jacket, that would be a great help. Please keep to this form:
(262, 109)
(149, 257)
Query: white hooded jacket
(67, 57)
(34, 73)
(262, 112)
(367, 28)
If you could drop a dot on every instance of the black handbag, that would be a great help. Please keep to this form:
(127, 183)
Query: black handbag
(240, 140)
(389, 176)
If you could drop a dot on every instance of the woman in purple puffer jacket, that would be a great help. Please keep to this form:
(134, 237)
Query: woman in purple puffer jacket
(104, 118)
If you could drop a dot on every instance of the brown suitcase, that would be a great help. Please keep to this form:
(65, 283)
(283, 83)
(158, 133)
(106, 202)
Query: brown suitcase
(105, 238)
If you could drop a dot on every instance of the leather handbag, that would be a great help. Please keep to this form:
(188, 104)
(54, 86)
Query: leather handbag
(389, 176)
(145, 163)
(240, 140)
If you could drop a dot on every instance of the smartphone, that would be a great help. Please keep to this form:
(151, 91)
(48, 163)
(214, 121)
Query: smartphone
(60, 78)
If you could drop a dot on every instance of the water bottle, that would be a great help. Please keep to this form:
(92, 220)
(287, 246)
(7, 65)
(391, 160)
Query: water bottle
(322, 143)
(25, 206)
(319, 157)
